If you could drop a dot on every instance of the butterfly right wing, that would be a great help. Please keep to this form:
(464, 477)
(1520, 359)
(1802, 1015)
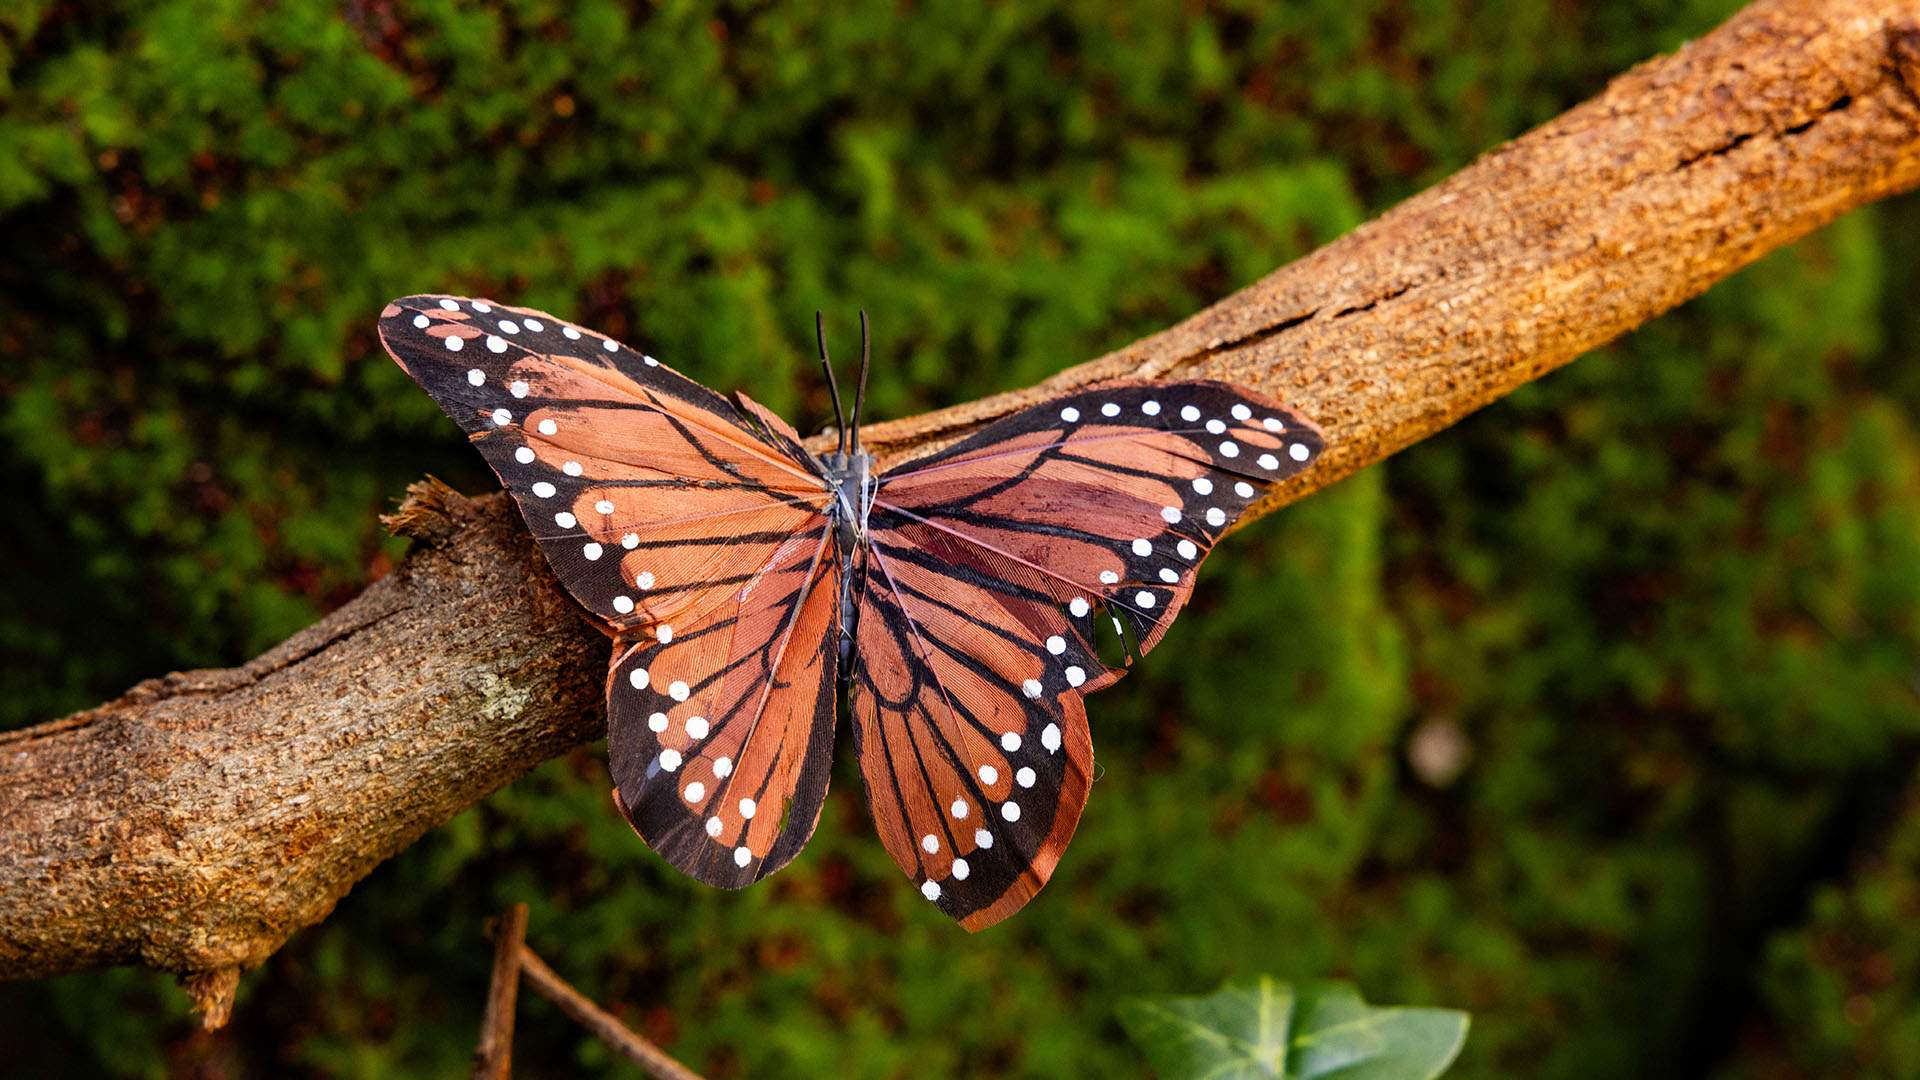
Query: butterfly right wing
(1013, 573)
(693, 532)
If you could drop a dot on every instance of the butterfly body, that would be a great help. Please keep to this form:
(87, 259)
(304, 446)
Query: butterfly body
(961, 604)
(851, 477)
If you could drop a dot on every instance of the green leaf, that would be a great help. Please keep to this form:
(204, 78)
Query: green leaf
(1264, 1030)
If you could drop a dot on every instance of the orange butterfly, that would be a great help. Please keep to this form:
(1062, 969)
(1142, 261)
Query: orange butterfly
(965, 601)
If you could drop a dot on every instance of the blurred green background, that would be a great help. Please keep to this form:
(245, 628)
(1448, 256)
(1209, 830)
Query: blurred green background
(1598, 715)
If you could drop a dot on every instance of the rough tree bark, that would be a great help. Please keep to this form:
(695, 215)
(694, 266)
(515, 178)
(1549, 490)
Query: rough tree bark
(197, 822)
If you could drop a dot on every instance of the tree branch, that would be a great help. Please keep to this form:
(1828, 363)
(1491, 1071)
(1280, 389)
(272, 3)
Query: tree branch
(197, 822)
(493, 1058)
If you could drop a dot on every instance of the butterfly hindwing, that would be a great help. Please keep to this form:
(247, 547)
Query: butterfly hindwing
(720, 732)
(1017, 571)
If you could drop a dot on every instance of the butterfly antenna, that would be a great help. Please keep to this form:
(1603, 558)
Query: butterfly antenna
(860, 392)
(833, 387)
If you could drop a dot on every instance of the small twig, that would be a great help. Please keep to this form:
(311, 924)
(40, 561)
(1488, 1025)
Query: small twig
(643, 1052)
(493, 1059)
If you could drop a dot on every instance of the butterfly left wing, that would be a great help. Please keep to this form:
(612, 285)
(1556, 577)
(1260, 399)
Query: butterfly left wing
(994, 570)
(691, 529)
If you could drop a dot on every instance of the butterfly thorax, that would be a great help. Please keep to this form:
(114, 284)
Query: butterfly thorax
(851, 476)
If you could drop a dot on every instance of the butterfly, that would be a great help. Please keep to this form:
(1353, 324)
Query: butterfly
(963, 602)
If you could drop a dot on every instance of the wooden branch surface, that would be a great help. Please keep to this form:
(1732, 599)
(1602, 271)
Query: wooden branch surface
(197, 822)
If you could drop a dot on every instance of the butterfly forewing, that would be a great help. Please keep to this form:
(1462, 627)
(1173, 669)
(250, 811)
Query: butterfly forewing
(999, 564)
(648, 493)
